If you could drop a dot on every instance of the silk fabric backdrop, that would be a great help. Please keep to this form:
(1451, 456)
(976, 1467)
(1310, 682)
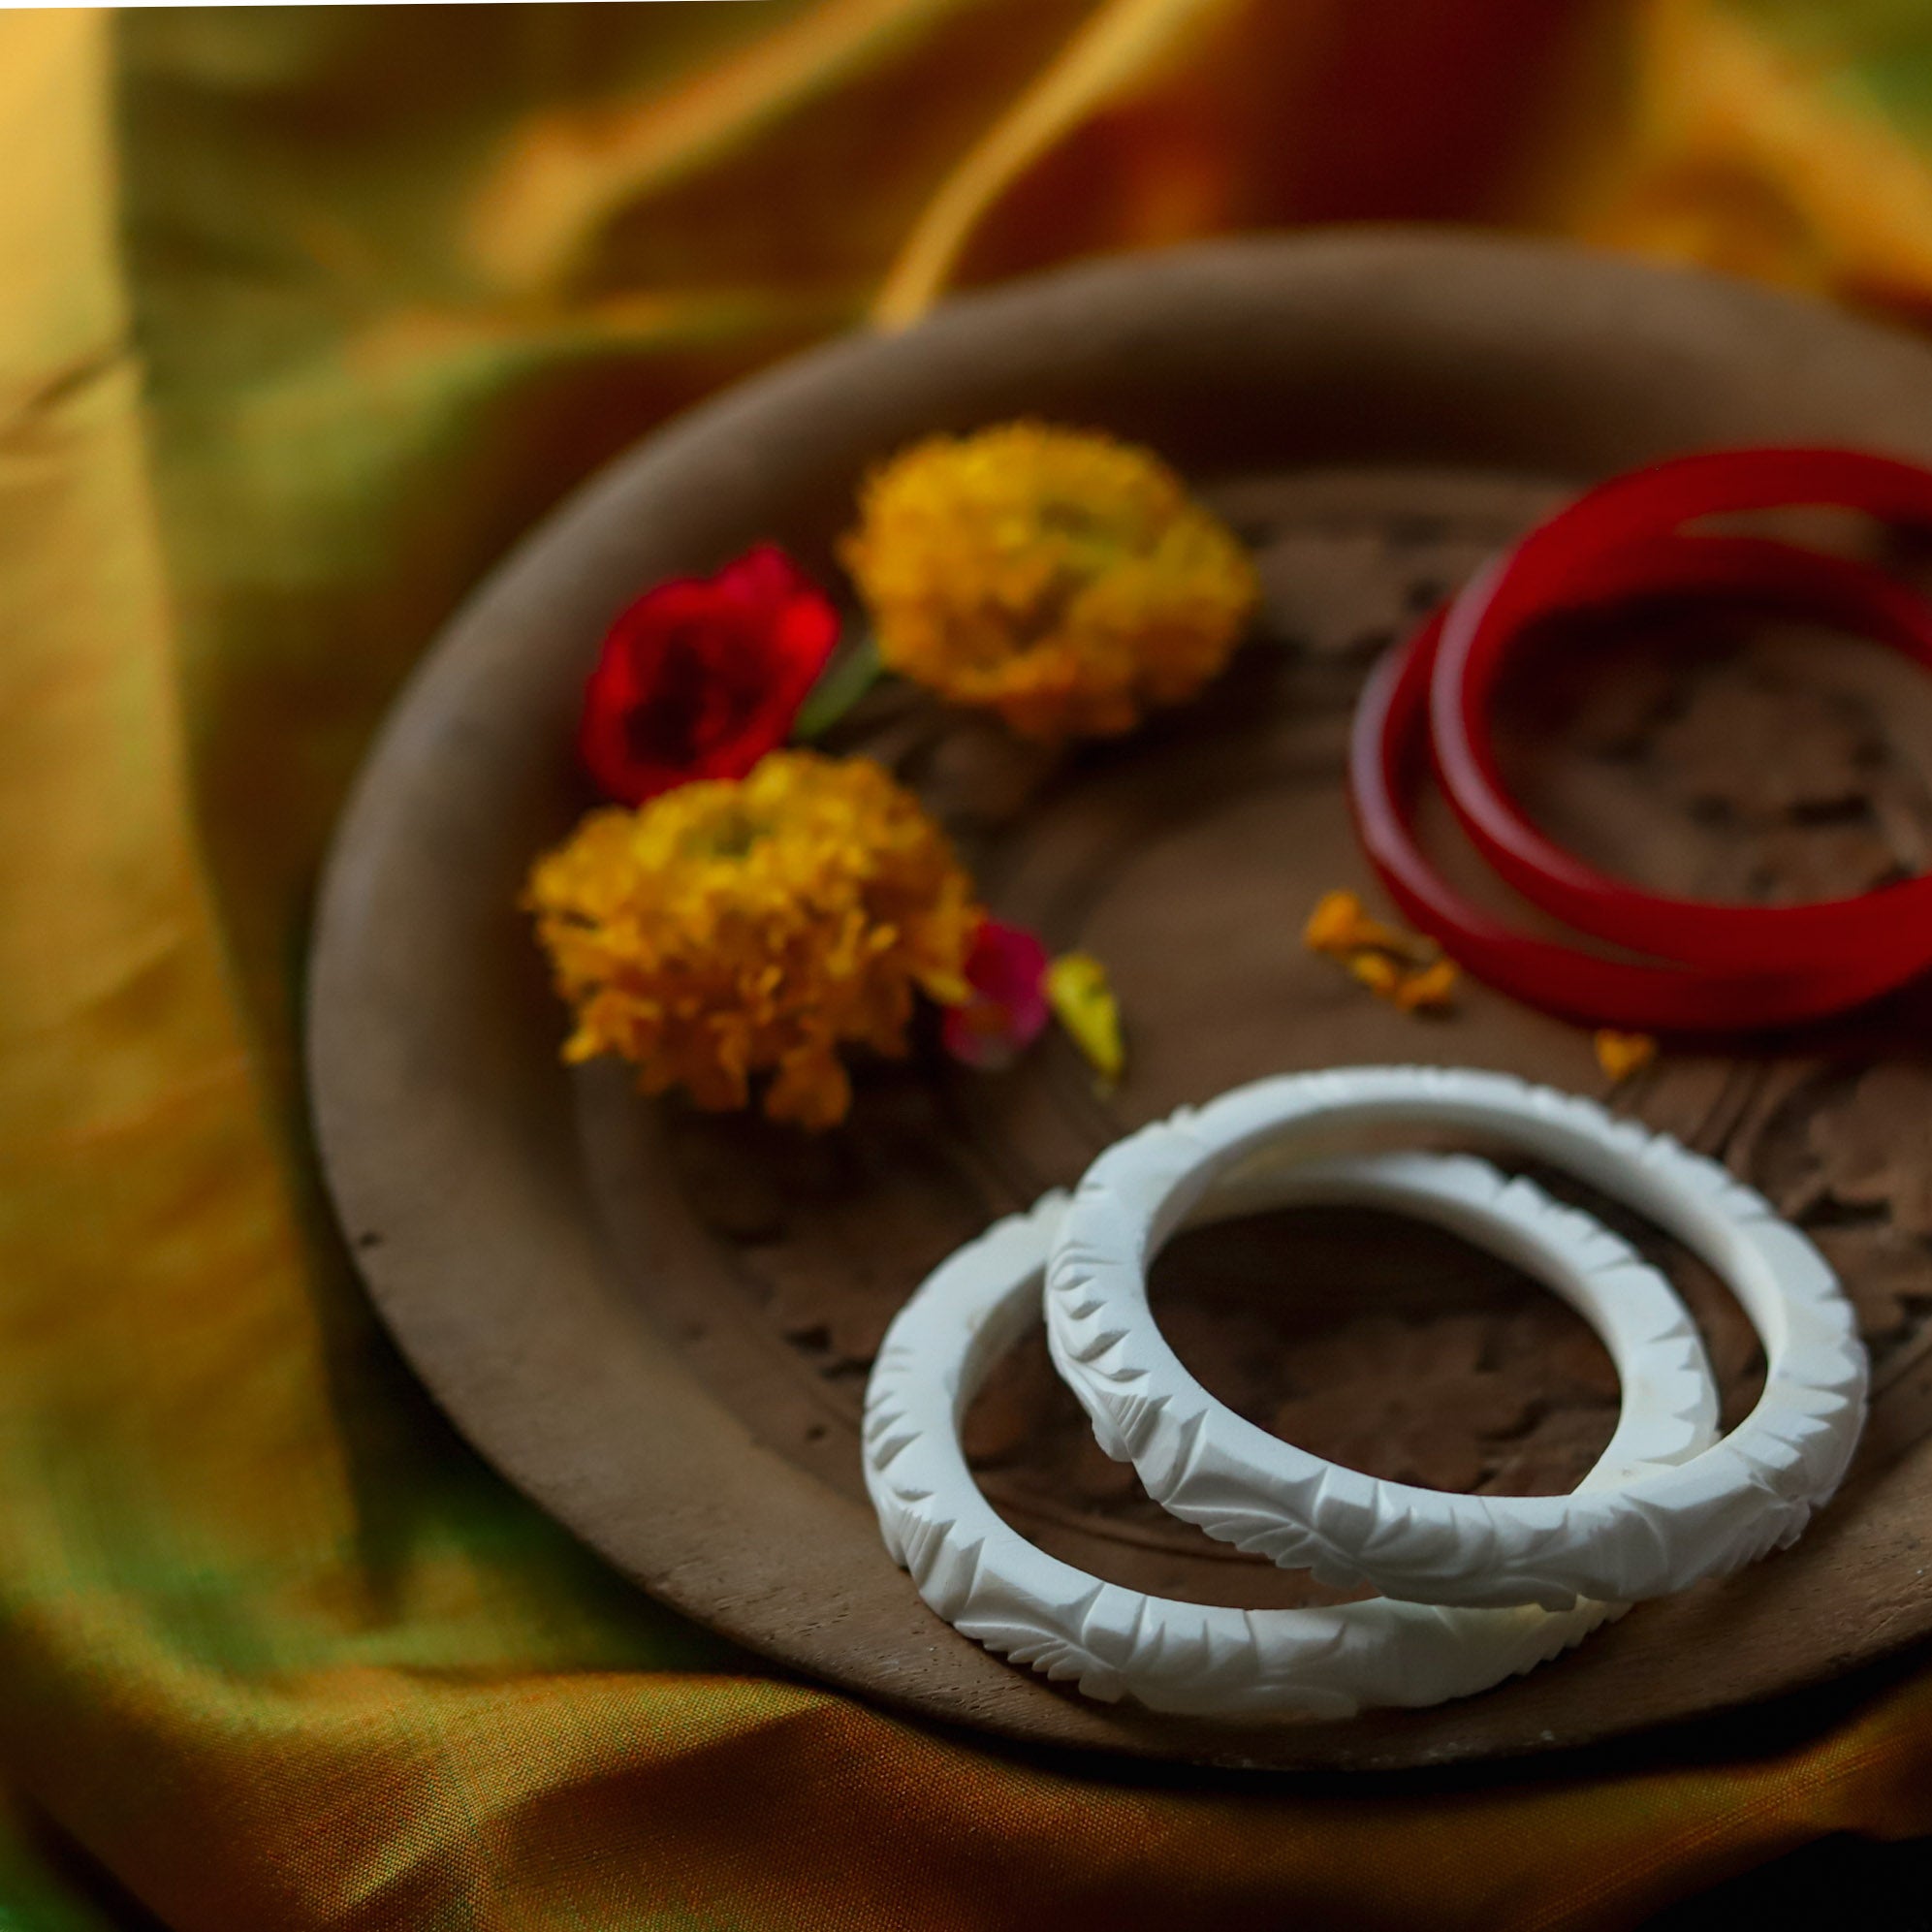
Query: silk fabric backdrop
(303, 315)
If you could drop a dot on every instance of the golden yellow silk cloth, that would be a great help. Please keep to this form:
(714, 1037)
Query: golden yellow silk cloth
(304, 314)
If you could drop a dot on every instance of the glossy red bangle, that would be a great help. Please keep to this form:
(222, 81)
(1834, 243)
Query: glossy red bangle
(1486, 624)
(1388, 760)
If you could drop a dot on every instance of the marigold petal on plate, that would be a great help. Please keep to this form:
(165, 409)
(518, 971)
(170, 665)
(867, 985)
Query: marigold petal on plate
(1379, 973)
(1426, 989)
(1081, 998)
(1341, 925)
(1621, 1054)
(1058, 577)
(733, 932)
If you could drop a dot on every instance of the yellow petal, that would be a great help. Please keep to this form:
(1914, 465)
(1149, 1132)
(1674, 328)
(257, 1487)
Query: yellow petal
(1083, 1001)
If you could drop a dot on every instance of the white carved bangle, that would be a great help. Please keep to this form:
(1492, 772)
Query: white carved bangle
(983, 1577)
(1658, 1532)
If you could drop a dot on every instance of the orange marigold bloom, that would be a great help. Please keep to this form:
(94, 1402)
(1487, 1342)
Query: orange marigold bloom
(1061, 578)
(739, 928)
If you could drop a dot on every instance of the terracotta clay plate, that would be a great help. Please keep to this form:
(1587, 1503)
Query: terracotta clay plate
(659, 1324)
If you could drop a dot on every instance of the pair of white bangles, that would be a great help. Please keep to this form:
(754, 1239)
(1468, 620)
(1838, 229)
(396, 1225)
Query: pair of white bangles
(1475, 1588)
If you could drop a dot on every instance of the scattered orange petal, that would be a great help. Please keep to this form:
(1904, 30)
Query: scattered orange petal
(1621, 1054)
(1341, 925)
(1427, 988)
(1376, 971)
(1402, 967)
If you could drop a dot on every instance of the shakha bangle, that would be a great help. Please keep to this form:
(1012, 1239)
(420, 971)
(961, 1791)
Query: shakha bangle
(1388, 754)
(983, 1577)
(1485, 625)
(1661, 1530)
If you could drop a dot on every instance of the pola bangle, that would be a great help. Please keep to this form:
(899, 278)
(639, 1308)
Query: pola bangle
(1660, 1532)
(982, 1576)
(1388, 754)
(1486, 624)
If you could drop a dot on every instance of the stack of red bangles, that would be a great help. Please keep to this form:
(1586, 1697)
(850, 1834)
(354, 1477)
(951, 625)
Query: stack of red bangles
(1705, 967)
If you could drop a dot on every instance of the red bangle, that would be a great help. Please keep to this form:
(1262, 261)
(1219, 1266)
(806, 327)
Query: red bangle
(1891, 925)
(1386, 763)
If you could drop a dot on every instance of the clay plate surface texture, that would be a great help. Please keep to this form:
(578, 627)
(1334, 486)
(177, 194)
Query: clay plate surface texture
(659, 1324)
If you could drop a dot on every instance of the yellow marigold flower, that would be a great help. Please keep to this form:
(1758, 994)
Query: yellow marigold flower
(755, 926)
(1060, 579)
(1621, 1054)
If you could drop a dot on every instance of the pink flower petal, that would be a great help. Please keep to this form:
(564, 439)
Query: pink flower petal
(1007, 1010)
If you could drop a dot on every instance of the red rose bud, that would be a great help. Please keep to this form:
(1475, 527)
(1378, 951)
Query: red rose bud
(702, 676)
(1007, 1008)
